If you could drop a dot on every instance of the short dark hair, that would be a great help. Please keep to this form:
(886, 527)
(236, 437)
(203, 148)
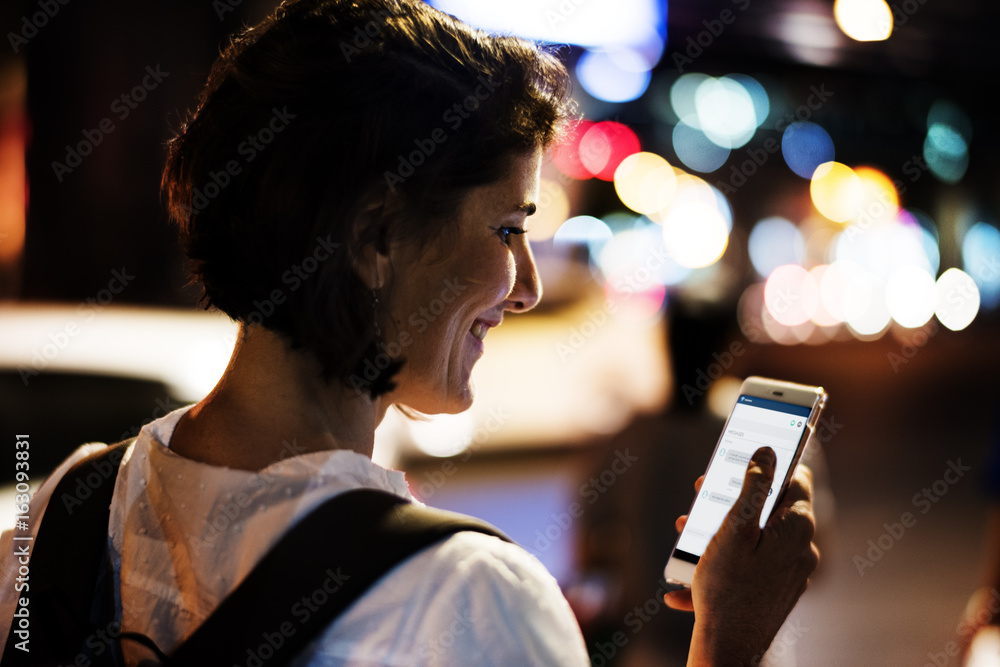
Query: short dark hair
(321, 110)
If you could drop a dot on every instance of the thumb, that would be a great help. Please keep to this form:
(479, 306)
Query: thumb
(756, 488)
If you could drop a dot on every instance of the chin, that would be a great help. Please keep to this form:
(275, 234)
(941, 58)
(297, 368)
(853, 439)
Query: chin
(457, 406)
(451, 403)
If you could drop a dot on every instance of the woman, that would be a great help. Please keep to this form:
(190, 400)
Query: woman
(349, 163)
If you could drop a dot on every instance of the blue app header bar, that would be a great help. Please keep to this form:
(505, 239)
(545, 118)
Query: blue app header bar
(768, 404)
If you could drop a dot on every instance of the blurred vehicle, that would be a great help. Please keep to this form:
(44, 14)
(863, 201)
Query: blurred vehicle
(72, 374)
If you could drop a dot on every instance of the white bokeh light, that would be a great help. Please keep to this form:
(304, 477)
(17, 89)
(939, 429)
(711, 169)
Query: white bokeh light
(791, 295)
(956, 301)
(695, 234)
(725, 111)
(775, 241)
(865, 305)
(910, 296)
(443, 435)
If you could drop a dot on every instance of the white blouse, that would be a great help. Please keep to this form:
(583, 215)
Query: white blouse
(184, 534)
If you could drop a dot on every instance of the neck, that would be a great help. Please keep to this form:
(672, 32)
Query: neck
(271, 403)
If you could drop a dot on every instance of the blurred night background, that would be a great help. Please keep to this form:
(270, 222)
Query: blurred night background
(799, 189)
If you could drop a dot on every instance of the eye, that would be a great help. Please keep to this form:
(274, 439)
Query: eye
(505, 232)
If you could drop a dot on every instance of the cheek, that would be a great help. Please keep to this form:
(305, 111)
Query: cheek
(489, 277)
(480, 282)
(510, 274)
(500, 278)
(487, 283)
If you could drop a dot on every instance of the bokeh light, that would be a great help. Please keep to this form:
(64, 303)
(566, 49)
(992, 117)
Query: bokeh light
(773, 242)
(623, 221)
(946, 147)
(808, 32)
(586, 230)
(834, 284)
(566, 154)
(791, 295)
(821, 315)
(645, 182)
(553, 210)
(836, 191)
(981, 259)
(865, 304)
(695, 234)
(913, 222)
(618, 75)
(819, 235)
(758, 94)
(910, 296)
(805, 146)
(636, 306)
(946, 153)
(884, 247)
(726, 112)
(956, 299)
(864, 20)
(900, 245)
(721, 203)
(946, 112)
(607, 24)
(626, 261)
(692, 189)
(787, 335)
(682, 96)
(879, 199)
(722, 395)
(603, 147)
(443, 435)
(636, 260)
(696, 150)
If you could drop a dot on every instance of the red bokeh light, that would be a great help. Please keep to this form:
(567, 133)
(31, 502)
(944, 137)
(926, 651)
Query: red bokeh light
(603, 147)
(566, 154)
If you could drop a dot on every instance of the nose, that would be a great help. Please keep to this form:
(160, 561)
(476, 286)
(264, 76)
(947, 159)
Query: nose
(527, 290)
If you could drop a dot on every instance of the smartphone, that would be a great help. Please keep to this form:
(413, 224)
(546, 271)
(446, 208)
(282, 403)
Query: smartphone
(772, 413)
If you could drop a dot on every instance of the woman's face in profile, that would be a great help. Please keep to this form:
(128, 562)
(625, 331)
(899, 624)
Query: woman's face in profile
(445, 297)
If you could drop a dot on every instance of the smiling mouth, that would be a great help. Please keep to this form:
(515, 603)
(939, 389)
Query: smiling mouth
(479, 329)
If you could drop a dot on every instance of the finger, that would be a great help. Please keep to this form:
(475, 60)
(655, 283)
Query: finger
(797, 497)
(756, 486)
(698, 482)
(680, 600)
(800, 487)
(681, 522)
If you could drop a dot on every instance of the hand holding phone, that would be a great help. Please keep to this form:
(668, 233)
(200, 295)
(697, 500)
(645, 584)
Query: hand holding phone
(750, 575)
(767, 413)
(749, 579)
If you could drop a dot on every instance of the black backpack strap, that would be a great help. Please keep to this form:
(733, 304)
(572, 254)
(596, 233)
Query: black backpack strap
(316, 571)
(66, 562)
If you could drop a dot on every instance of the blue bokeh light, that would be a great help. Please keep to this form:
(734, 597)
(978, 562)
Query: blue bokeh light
(618, 77)
(981, 257)
(806, 146)
(696, 150)
(946, 152)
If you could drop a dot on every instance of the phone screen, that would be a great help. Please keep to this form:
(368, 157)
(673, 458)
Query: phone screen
(755, 423)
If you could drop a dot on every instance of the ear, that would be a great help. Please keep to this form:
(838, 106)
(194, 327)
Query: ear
(372, 266)
(371, 260)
